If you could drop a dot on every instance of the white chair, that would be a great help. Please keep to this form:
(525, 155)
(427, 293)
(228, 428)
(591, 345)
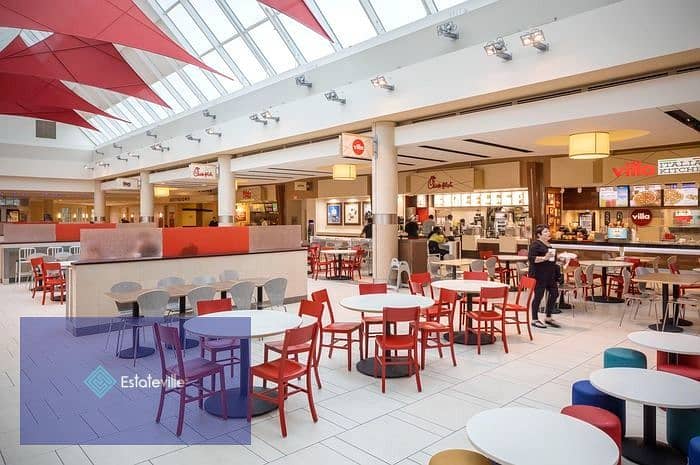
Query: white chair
(399, 267)
(23, 259)
(434, 267)
(200, 293)
(276, 288)
(74, 250)
(174, 302)
(124, 309)
(152, 305)
(203, 280)
(242, 295)
(229, 275)
(52, 251)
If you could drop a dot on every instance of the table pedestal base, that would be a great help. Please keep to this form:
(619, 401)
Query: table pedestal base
(339, 278)
(636, 450)
(366, 367)
(607, 300)
(141, 352)
(670, 328)
(236, 407)
(469, 338)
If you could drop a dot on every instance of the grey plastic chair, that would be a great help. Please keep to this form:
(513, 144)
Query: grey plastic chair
(61, 256)
(125, 308)
(434, 266)
(276, 288)
(152, 305)
(230, 275)
(174, 302)
(204, 280)
(477, 265)
(242, 295)
(200, 293)
(490, 264)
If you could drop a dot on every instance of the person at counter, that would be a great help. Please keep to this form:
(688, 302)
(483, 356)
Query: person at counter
(543, 267)
(429, 225)
(434, 241)
(411, 228)
(367, 230)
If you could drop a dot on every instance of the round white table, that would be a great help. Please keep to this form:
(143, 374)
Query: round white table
(456, 263)
(241, 324)
(652, 389)
(604, 265)
(339, 260)
(528, 436)
(470, 288)
(674, 343)
(375, 303)
(696, 270)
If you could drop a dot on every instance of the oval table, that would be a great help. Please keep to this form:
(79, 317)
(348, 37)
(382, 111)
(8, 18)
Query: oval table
(471, 288)
(374, 303)
(456, 263)
(672, 343)
(244, 325)
(528, 436)
(604, 265)
(652, 389)
(669, 279)
(339, 260)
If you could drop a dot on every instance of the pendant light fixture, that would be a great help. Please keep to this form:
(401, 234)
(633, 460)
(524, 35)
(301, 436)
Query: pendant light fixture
(589, 145)
(344, 172)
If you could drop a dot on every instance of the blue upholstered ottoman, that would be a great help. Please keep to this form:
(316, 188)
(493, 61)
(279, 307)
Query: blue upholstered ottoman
(694, 451)
(583, 393)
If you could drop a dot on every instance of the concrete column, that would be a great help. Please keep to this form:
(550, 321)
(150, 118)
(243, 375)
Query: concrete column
(99, 203)
(226, 192)
(536, 192)
(146, 198)
(385, 190)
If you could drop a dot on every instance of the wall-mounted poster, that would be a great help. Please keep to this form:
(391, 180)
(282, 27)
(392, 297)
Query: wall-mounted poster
(367, 210)
(334, 215)
(352, 213)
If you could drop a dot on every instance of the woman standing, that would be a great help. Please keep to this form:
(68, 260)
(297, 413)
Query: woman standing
(544, 269)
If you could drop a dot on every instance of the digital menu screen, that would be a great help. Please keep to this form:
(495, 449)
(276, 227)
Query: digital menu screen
(683, 194)
(614, 197)
(646, 196)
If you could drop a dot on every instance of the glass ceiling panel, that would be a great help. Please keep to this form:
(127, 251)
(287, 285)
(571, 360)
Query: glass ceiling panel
(202, 83)
(183, 90)
(312, 45)
(273, 47)
(165, 4)
(214, 60)
(248, 12)
(189, 29)
(160, 112)
(135, 106)
(442, 4)
(348, 20)
(137, 122)
(396, 13)
(215, 19)
(245, 60)
(165, 94)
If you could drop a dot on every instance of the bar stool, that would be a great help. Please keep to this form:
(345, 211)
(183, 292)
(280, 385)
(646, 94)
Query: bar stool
(24, 254)
(458, 457)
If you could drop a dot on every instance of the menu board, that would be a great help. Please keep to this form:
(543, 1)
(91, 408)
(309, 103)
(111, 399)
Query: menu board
(614, 197)
(456, 200)
(506, 198)
(421, 201)
(646, 196)
(684, 194)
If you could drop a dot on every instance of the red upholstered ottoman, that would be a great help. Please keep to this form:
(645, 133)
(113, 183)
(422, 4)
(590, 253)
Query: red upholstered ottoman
(601, 419)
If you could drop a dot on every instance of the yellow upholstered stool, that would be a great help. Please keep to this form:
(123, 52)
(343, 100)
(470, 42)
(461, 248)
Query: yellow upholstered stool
(458, 457)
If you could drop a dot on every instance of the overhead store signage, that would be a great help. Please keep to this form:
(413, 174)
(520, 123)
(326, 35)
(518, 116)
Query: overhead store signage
(641, 216)
(447, 181)
(126, 184)
(634, 168)
(679, 165)
(356, 146)
(301, 186)
(203, 171)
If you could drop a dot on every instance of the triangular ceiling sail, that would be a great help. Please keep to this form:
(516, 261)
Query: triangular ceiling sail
(44, 92)
(115, 21)
(60, 115)
(298, 11)
(85, 61)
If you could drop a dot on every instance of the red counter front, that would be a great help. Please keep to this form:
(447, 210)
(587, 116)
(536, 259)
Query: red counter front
(189, 242)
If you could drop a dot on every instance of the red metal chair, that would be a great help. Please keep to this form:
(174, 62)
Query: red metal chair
(433, 328)
(283, 370)
(490, 317)
(527, 285)
(214, 345)
(36, 264)
(335, 329)
(616, 281)
(326, 264)
(684, 365)
(673, 268)
(484, 254)
(474, 276)
(386, 343)
(308, 308)
(369, 321)
(354, 264)
(185, 373)
(424, 280)
(52, 277)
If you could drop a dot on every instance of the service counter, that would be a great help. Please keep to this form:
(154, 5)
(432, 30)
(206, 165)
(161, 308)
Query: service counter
(687, 254)
(472, 245)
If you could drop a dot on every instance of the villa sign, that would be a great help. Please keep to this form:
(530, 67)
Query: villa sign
(356, 146)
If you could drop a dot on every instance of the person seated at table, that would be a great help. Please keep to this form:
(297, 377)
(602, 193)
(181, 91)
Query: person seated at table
(436, 238)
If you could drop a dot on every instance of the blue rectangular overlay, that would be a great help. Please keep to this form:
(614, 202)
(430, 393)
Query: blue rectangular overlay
(74, 390)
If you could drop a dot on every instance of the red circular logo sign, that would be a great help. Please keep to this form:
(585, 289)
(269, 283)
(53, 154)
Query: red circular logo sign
(641, 216)
(358, 147)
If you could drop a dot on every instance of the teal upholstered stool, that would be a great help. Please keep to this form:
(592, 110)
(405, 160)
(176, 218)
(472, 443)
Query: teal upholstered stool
(622, 357)
(681, 426)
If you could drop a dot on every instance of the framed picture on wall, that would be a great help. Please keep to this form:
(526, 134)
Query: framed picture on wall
(366, 210)
(334, 214)
(352, 213)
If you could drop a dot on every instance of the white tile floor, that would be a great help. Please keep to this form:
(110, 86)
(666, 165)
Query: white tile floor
(357, 423)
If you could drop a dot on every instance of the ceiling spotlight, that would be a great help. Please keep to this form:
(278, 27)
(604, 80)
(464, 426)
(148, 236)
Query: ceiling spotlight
(208, 115)
(117, 146)
(149, 133)
(380, 81)
(256, 117)
(267, 115)
(535, 38)
(192, 138)
(498, 47)
(332, 96)
(102, 164)
(302, 82)
(122, 158)
(160, 147)
(212, 132)
(98, 152)
(449, 30)
(134, 155)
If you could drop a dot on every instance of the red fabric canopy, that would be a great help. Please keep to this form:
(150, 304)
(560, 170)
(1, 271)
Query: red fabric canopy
(297, 10)
(84, 61)
(114, 21)
(44, 92)
(60, 115)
